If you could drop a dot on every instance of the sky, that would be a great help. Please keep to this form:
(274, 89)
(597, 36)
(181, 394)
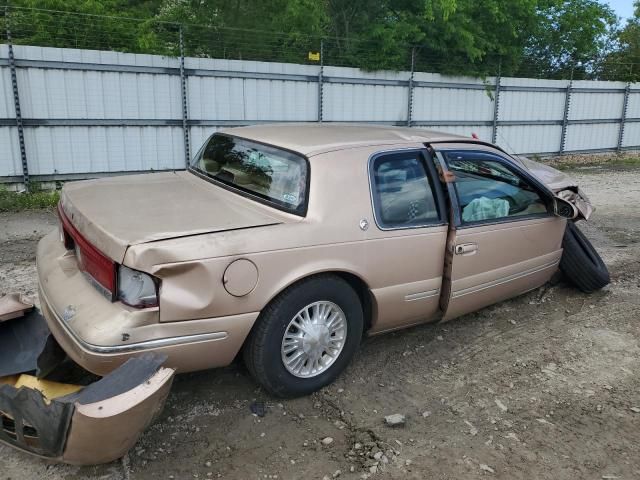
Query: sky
(623, 8)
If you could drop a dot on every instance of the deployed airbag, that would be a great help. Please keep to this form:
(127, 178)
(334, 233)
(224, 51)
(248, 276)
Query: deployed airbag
(484, 208)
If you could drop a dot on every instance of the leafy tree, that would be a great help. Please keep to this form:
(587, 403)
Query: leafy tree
(90, 24)
(550, 38)
(570, 38)
(624, 62)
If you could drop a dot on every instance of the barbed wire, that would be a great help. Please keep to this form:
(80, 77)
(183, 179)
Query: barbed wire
(63, 29)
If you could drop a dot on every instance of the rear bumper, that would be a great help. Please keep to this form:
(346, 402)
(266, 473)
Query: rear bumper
(85, 426)
(100, 335)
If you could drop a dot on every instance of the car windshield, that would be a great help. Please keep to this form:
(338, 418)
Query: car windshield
(273, 175)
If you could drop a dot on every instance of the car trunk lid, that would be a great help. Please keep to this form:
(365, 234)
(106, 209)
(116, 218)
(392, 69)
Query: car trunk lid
(114, 213)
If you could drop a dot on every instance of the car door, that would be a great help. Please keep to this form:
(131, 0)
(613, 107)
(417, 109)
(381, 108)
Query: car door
(405, 248)
(504, 238)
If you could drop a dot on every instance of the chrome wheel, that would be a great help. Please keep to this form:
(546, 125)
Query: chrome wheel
(314, 339)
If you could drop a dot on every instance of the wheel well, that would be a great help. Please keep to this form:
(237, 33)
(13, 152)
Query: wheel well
(361, 288)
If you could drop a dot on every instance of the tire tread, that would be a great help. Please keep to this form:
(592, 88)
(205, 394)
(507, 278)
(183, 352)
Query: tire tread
(578, 265)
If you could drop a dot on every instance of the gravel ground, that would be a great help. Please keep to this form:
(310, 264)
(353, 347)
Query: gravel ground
(542, 386)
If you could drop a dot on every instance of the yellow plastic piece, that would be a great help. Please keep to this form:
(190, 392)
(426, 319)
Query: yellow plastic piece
(49, 389)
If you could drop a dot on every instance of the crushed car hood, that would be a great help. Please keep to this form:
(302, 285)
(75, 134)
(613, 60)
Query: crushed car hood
(114, 213)
(551, 177)
(562, 185)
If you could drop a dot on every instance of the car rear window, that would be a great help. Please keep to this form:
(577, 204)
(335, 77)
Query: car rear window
(270, 174)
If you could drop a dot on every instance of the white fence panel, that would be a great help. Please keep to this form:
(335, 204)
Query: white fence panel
(530, 138)
(228, 98)
(99, 95)
(633, 105)
(453, 103)
(65, 150)
(532, 105)
(10, 162)
(7, 109)
(517, 105)
(91, 112)
(348, 102)
(631, 134)
(592, 137)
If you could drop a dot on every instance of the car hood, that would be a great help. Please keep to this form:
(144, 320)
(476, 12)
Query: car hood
(114, 213)
(551, 177)
(562, 185)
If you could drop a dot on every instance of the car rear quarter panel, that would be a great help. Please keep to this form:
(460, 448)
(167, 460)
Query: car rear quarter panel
(329, 238)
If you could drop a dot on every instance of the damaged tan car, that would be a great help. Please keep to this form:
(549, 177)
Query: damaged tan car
(284, 244)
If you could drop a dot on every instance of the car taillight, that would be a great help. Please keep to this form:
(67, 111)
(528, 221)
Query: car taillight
(100, 268)
(65, 238)
(137, 289)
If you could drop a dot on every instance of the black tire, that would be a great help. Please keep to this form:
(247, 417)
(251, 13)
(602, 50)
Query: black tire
(262, 351)
(580, 263)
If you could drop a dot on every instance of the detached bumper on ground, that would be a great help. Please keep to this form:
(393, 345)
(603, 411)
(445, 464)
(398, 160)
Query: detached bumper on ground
(86, 425)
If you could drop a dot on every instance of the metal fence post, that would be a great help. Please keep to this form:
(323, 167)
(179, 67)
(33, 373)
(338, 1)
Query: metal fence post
(185, 109)
(496, 106)
(410, 92)
(623, 117)
(16, 102)
(320, 81)
(565, 117)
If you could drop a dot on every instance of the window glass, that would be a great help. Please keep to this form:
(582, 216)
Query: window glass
(275, 175)
(403, 195)
(487, 189)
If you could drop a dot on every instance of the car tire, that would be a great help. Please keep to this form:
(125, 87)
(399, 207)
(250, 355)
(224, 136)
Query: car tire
(264, 352)
(580, 263)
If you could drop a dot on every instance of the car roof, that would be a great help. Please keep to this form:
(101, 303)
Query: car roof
(314, 138)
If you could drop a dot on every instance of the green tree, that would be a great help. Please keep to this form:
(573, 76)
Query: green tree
(90, 24)
(545, 38)
(570, 40)
(624, 62)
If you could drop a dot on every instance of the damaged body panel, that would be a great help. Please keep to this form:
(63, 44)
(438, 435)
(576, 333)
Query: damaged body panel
(96, 424)
(561, 184)
(101, 335)
(167, 205)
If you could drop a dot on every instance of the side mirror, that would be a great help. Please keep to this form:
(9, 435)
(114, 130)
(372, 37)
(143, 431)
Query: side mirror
(565, 209)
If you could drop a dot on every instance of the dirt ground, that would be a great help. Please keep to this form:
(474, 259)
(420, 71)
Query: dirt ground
(542, 386)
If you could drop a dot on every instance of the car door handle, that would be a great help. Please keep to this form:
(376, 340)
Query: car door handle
(466, 248)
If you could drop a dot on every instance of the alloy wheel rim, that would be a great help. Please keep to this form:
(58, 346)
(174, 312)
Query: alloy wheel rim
(314, 339)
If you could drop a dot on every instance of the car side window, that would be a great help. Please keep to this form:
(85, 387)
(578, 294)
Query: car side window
(487, 189)
(402, 191)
